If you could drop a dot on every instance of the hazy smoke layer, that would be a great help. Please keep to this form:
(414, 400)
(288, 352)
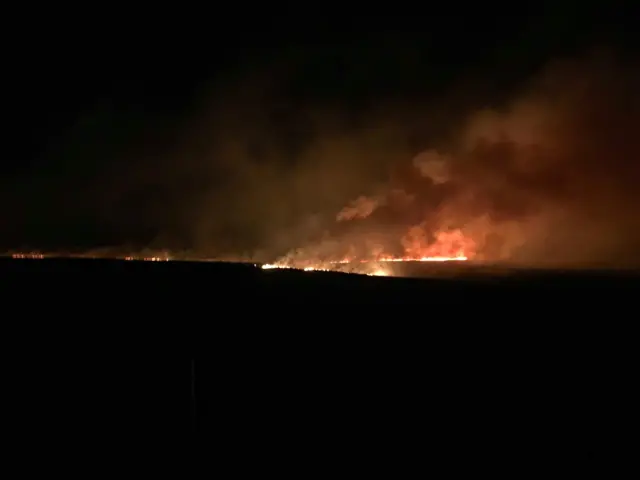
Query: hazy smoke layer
(550, 176)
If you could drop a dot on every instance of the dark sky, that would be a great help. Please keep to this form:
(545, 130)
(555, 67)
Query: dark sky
(143, 126)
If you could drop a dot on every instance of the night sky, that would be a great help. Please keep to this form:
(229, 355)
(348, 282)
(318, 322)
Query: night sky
(240, 130)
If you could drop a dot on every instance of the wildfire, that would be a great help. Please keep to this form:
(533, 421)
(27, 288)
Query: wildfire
(360, 265)
(458, 258)
(32, 256)
(147, 259)
(444, 246)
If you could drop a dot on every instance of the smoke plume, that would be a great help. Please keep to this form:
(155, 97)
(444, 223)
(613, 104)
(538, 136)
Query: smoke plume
(259, 172)
(551, 178)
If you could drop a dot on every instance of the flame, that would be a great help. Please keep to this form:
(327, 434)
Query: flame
(32, 256)
(445, 246)
(360, 266)
(40, 256)
(458, 258)
(147, 259)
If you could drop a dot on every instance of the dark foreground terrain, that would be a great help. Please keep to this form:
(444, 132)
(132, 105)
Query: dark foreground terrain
(303, 372)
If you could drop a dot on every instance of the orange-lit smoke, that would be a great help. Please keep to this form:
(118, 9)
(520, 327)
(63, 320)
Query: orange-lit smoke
(446, 244)
(550, 178)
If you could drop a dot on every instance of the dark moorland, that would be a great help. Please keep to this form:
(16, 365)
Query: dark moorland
(286, 364)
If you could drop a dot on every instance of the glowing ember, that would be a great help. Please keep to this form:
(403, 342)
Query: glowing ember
(33, 256)
(147, 259)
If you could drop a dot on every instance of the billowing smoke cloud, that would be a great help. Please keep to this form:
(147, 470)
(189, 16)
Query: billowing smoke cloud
(551, 176)
(550, 179)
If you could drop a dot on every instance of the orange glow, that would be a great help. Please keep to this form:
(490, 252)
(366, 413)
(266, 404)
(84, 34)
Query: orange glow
(444, 246)
(147, 259)
(360, 266)
(33, 256)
